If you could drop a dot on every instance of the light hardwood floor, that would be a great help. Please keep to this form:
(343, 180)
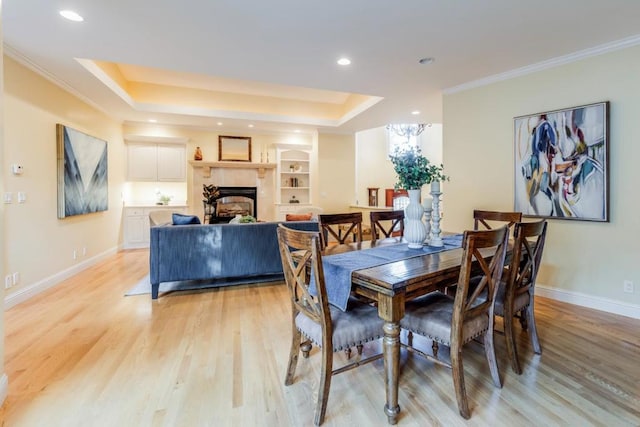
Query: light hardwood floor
(83, 354)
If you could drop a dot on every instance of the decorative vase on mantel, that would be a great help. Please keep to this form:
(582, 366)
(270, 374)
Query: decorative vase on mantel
(415, 232)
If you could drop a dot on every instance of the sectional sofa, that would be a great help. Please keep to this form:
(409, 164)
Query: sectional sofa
(225, 252)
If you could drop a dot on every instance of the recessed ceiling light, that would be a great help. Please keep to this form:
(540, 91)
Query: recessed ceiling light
(426, 61)
(250, 126)
(297, 131)
(71, 15)
(415, 112)
(219, 123)
(152, 121)
(344, 61)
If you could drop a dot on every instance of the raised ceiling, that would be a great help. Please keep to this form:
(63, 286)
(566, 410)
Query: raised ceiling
(273, 64)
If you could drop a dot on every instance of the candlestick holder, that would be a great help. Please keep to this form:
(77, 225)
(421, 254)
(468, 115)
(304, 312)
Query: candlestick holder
(435, 240)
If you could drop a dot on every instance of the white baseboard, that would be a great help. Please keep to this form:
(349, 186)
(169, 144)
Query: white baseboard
(4, 388)
(31, 290)
(590, 301)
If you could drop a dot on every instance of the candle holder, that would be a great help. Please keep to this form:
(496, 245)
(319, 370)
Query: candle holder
(436, 240)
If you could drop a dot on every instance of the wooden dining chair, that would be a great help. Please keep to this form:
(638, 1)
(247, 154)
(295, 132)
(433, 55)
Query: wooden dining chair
(314, 319)
(341, 227)
(395, 227)
(516, 291)
(488, 219)
(454, 321)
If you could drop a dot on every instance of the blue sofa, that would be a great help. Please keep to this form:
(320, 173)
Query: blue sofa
(217, 251)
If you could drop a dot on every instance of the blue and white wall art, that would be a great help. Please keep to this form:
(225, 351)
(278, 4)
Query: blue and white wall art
(82, 173)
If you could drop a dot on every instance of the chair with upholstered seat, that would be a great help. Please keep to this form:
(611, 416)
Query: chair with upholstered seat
(454, 321)
(394, 219)
(516, 291)
(340, 226)
(488, 219)
(314, 319)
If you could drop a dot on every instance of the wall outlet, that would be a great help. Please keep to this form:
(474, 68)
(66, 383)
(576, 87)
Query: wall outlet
(75, 254)
(7, 281)
(16, 278)
(627, 286)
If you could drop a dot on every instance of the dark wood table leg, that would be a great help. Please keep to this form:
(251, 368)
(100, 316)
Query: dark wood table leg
(391, 352)
(391, 310)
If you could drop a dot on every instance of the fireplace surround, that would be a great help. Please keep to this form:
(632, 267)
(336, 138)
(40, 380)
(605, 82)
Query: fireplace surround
(235, 201)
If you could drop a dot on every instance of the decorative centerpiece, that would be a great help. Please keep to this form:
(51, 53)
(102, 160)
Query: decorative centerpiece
(413, 171)
(163, 199)
(242, 219)
(245, 219)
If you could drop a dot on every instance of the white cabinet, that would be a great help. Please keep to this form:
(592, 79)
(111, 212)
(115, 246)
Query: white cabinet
(156, 162)
(172, 162)
(136, 224)
(142, 164)
(293, 185)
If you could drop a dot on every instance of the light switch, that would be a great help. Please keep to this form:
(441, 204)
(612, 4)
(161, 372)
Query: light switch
(22, 197)
(8, 197)
(16, 169)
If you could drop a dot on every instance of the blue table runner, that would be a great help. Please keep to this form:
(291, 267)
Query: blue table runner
(338, 268)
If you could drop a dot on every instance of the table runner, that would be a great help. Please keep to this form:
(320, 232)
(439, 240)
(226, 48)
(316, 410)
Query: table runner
(338, 268)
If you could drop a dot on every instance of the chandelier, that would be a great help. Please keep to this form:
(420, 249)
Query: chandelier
(407, 130)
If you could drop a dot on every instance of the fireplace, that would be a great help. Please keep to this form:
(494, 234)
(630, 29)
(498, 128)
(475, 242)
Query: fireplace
(235, 201)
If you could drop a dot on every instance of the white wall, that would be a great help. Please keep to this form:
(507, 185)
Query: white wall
(584, 262)
(37, 244)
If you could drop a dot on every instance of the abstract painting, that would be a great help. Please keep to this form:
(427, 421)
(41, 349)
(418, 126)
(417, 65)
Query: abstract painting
(561, 163)
(82, 173)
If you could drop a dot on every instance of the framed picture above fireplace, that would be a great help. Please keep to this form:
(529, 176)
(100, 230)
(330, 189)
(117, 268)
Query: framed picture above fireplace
(234, 148)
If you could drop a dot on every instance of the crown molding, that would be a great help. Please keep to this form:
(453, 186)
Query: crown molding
(156, 139)
(544, 65)
(25, 61)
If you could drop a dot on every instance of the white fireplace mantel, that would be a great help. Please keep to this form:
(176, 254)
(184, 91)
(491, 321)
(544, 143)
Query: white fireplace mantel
(207, 166)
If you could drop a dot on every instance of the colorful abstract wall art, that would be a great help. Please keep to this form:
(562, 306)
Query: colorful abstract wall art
(82, 173)
(561, 163)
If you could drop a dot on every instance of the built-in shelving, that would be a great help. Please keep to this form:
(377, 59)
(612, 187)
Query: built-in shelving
(293, 179)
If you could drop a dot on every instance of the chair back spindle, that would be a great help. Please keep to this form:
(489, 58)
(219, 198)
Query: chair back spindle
(487, 219)
(340, 227)
(394, 220)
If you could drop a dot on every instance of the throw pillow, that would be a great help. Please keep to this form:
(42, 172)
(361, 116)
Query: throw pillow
(180, 219)
(298, 217)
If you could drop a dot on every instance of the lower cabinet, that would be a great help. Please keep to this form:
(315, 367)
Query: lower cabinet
(136, 224)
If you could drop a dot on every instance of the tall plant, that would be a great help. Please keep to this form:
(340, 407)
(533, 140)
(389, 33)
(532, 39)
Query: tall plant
(211, 193)
(413, 169)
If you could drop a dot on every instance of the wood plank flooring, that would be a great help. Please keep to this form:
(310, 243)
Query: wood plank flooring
(83, 354)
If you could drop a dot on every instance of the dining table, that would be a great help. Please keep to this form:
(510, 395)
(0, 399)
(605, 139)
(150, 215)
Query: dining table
(390, 285)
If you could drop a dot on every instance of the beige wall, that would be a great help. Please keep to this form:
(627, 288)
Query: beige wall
(373, 167)
(336, 159)
(584, 262)
(37, 244)
(3, 249)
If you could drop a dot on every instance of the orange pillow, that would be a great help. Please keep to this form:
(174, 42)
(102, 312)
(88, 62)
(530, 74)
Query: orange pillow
(298, 217)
